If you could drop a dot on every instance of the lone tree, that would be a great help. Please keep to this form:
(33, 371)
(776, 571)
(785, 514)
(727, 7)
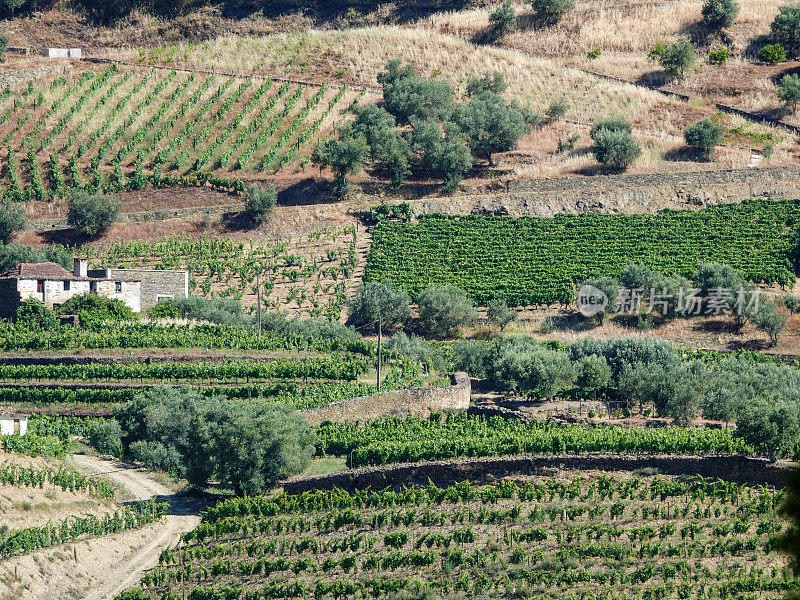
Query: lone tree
(550, 12)
(704, 136)
(785, 28)
(719, 14)
(789, 91)
(502, 21)
(3, 46)
(376, 299)
(344, 155)
(91, 214)
(443, 310)
(678, 57)
(499, 313)
(260, 202)
(12, 220)
(614, 145)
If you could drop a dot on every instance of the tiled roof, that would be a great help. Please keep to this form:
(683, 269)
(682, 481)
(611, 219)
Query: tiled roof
(45, 270)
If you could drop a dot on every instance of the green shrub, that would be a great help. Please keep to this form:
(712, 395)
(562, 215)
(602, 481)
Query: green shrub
(551, 12)
(105, 436)
(94, 308)
(615, 149)
(592, 54)
(36, 315)
(443, 310)
(557, 108)
(657, 52)
(719, 56)
(12, 220)
(502, 21)
(719, 14)
(490, 81)
(416, 348)
(772, 54)
(3, 46)
(704, 136)
(90, 214)
(222, 311)
(260, 202)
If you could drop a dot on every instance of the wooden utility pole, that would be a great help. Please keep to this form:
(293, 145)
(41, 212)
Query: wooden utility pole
(379, 353)
(258, 300)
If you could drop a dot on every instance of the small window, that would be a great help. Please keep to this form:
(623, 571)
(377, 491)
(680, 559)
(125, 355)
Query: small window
(40, 287)
(93, 286)
(66, 285)
(118, 287)
(160, 299)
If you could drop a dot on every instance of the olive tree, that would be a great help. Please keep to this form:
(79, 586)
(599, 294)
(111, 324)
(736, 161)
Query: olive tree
(719, 14)
(614, 145)
(678, 57)
(443, 310)
(260, 202)
(92, 214)
(379, 299)
(12, 220)
(344, 155)
(772, 427)
(551, 12)
(704, 135)
(502, 21)
(491, 124)
(789, 91)
(785, 28)
(499, 313)
(592, 373)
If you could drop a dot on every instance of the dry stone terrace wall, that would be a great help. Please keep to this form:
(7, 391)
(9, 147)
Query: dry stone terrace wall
(740, 469)
(419, 402)
(627, 193)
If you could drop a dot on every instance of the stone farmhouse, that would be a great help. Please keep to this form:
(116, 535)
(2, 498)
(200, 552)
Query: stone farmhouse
(52, 284)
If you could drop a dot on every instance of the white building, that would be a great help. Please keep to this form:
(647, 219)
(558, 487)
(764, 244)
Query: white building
(11, 423)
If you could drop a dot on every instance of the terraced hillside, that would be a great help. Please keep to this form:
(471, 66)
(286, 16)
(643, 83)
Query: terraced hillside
(123, 128)
(539, 261)
(583, 536)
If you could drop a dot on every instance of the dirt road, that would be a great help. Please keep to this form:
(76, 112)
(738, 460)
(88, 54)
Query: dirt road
(182, 516)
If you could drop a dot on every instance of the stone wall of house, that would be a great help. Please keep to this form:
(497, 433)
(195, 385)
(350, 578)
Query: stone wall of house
(155, 283)
(9, 298)
(419, 402)
(741, 469)
(54, 292)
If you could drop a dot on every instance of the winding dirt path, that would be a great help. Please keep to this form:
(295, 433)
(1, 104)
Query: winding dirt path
(182, 516)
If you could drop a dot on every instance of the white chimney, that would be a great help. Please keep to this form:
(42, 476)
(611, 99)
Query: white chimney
(81, 267)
